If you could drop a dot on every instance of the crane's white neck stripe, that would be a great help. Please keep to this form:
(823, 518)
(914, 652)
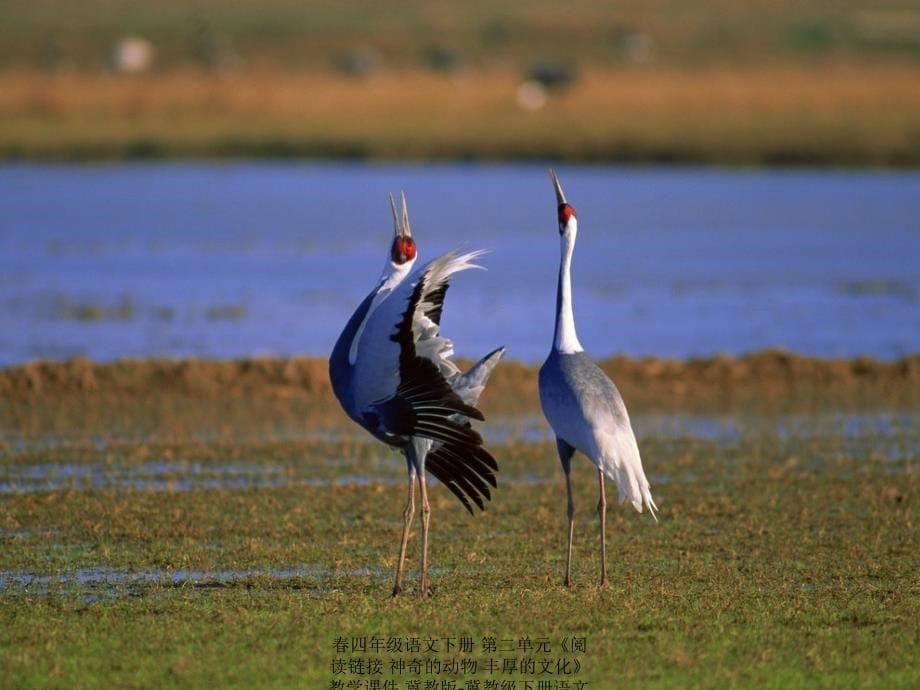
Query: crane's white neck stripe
(392, 276)
(566, 339)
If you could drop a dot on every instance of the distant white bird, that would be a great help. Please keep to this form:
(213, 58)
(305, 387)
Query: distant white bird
(392, 373)
(584, 407)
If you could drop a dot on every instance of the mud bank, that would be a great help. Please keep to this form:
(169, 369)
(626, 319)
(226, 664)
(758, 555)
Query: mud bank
(768, 377)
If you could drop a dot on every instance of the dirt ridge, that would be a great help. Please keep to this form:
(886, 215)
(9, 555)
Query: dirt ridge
(769, 372)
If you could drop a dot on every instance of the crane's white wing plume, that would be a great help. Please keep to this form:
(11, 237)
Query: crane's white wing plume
(402, 368)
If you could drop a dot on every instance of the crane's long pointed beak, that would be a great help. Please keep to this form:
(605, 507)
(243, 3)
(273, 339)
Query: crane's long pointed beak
(396, 228)
(400, 225)
(560, 195)
(407, 231)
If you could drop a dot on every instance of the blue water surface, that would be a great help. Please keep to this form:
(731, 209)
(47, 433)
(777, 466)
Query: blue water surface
(241, 259)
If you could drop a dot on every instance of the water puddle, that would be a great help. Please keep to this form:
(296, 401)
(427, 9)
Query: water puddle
(161, 475)
(12, 443)
(174, 578)
(95, 585)
(24, 534)
(891, 437)
(723, 429)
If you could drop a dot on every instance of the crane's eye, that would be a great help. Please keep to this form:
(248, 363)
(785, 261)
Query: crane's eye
(403, 250)
(565, 213)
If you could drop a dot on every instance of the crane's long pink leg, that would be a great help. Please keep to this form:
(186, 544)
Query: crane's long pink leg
(570, 511)
(408, 514)
(602, 513)
(426, 515)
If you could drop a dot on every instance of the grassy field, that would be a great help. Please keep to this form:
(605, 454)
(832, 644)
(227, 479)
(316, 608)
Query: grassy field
(710, 81)
(195, 524)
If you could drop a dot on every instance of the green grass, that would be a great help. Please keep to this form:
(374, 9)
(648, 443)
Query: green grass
(780, 560)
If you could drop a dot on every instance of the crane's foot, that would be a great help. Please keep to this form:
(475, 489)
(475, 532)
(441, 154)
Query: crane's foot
(567, 581)
(605, 583)
(397, 590)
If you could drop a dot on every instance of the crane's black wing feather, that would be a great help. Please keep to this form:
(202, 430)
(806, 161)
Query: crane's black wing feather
(468, 476)
(436, 298)
(426, 406)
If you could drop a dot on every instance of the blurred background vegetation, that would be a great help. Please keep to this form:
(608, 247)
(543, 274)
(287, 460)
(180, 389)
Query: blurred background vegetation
(763, 81)
(304, 34)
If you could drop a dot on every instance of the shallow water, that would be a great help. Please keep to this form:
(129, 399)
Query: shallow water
(889, 436)
(92, 585)
(224, 260)
(159, 475)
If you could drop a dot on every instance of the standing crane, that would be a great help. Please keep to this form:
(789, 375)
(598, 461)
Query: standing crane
(392, 373)
(584, 407)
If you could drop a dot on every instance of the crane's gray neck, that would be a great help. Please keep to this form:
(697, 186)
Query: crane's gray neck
(340, 369)
(566, 339)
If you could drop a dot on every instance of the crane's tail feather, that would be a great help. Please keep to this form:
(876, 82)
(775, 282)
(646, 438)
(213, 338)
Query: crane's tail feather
(470, 385)
(633, 487)
(621, 463)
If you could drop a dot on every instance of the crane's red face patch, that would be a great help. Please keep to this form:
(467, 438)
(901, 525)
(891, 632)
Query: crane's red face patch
(566, 213)
(403, 250)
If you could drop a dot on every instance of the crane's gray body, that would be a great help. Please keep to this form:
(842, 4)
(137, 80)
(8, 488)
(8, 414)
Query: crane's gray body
(342, 372)
(390, 370)
(580, 402)
(392, 373)
(587, 413)
(572, 389)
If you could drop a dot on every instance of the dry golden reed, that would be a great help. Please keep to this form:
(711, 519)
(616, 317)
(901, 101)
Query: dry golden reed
(756, 114)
